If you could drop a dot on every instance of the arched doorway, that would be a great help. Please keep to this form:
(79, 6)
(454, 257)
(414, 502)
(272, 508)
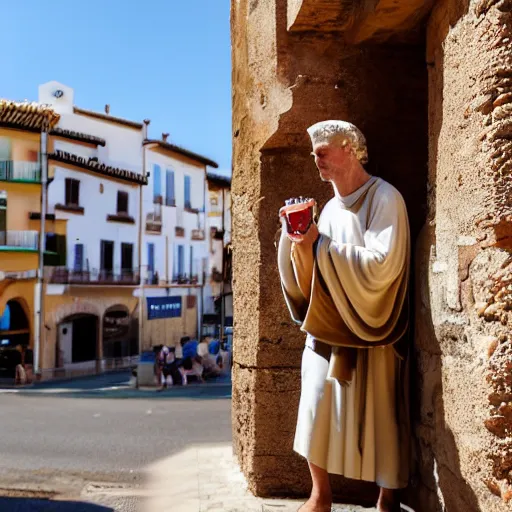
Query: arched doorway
(116, 332)
(14, 332)
(77, 339)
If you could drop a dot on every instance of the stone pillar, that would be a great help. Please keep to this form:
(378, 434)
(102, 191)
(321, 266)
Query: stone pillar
(284, 81)
(464, 354)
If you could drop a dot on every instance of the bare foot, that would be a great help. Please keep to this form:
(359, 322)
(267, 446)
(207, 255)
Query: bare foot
(314, 505)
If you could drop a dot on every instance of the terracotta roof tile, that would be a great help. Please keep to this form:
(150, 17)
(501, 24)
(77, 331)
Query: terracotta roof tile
(182, 151)
(27, 115)
(79, 136)
(93, 165)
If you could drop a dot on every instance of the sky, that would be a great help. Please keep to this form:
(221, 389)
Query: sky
(166, 60)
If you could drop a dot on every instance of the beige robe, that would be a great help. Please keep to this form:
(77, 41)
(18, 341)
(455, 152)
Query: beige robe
(353, 417)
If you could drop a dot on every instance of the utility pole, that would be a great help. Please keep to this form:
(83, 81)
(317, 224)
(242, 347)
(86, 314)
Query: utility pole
(141, 236)
(39, 292)
(222, 290)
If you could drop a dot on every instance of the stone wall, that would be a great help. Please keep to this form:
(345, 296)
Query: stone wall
(464, 273)
(283, 82)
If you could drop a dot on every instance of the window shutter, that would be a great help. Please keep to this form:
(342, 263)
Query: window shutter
(170, 198)
(187, 192)
(77, 192)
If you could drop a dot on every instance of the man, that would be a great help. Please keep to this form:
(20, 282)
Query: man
(345, 282)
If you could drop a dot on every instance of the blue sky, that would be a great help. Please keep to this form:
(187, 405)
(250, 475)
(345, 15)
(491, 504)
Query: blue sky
(166, 60)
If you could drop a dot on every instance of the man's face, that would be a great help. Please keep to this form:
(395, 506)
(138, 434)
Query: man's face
(331, 160)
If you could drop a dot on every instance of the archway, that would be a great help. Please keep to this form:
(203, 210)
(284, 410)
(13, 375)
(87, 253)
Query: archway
(77, 340)
(14, 331)
(116, 332)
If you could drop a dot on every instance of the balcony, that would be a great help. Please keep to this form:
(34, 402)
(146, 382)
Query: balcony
(154, 220)
(63, 275)
(185, 279)
(152, 278)
(19, 240)
(197, 234)
(19, 171)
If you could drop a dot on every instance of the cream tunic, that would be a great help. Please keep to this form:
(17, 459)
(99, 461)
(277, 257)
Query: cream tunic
(358, 428)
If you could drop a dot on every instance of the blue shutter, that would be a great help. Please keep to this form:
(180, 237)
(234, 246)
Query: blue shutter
(157, 181)
(187, 192)
(181, 260)
(169, 193)
(5, 319)
(78, 265)
(151, 257)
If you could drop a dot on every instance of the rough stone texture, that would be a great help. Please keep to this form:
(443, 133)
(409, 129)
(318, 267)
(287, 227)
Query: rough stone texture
(464, 356)
(282, 83)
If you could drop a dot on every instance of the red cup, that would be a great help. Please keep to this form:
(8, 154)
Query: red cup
(298, 214)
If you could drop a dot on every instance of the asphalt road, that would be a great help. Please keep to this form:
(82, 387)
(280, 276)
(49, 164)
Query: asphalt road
(59, 438)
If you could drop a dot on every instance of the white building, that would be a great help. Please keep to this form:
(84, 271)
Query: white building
(100, 203)
(98, 164)
(175, 251)
(95, 165)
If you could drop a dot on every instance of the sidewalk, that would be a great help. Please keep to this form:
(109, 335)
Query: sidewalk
(121, 385)
(206, 478)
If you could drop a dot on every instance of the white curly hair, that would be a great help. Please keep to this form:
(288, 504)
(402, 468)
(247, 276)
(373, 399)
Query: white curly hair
(340, 133)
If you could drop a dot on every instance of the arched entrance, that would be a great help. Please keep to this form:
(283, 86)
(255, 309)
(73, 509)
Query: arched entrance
(116, 332)
(14, 332)
(77, 339)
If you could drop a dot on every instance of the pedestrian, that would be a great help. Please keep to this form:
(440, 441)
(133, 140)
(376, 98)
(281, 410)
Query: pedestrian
(20, 374)
(160, 358)
(28, 364)
(345, 282)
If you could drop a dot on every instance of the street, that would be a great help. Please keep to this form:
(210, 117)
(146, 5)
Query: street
(71, 441)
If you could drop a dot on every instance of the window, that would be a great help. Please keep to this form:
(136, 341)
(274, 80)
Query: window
(191, 260)
(122, 203)
(78, 264)
(157, 184)
(107, 256)
(126, 257)
(188, 204)
(55, 245)
(72, 192)
(170, 200)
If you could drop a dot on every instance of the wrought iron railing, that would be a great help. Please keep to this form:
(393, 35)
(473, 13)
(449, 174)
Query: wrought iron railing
(20, 239)
(14, 170)
(185, 279)
(64, 275)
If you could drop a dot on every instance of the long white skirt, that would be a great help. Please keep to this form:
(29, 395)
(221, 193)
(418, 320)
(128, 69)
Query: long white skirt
(354, 430)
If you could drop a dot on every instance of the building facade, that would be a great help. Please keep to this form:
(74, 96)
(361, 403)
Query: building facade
(121, 266)
(218, 305)
(175, 255)
(23, 140)
(90, 308)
